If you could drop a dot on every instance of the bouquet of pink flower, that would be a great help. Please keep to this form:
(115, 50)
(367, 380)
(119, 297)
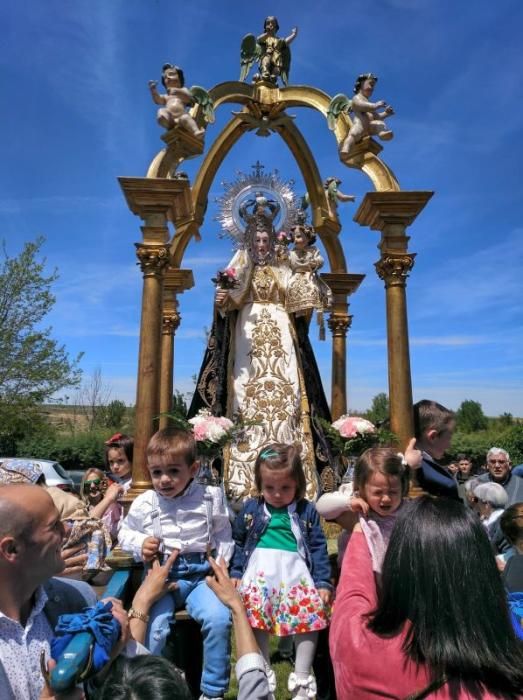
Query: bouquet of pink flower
(351, 435)
(284, 238)
(211, 432)
(226, 279)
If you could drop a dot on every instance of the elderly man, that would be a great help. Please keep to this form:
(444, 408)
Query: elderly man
(499, 471)
(31, 536)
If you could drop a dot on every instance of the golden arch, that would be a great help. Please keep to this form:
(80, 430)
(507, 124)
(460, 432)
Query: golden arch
(272, 101)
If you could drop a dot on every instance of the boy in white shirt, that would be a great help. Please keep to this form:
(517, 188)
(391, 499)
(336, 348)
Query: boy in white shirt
(182, 514)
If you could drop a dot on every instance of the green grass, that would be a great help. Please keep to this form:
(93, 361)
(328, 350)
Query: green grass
(282, 669)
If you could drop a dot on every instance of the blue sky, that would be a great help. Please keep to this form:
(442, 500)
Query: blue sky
(77, 114)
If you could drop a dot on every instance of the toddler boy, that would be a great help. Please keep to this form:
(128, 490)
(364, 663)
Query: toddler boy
(433, 428)
(182, 514)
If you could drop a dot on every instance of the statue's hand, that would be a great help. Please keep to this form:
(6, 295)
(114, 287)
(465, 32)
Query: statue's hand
(380, 104)
(389, 111)
(221, 297)
(152, 84)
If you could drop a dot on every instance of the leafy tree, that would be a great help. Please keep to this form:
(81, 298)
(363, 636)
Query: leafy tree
(33, 365)
(506, 420)
(379, 410)
(114, 414)
(470, 417)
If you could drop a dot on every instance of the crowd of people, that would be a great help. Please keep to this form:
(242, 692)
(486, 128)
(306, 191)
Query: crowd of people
(422, 607)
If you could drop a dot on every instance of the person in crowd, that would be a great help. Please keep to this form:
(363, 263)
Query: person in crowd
(499, 472)
(381, 482)
(31, 598)
(433, 428)
(492, 500)
(468, 497)
(453, 468)
(465, 468)
(101, 498)
(281, 563)
(511, 524)
(181, 514)
(396, 642)
(119, 459)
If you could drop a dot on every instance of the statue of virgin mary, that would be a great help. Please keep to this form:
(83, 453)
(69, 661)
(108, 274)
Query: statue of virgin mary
(259, 366)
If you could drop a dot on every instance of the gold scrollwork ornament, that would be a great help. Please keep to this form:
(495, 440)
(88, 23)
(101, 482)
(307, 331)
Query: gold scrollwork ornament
(394, 269)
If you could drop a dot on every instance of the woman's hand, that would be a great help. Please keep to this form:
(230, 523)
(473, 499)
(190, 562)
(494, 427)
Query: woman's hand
(156, 584)
(224, 587)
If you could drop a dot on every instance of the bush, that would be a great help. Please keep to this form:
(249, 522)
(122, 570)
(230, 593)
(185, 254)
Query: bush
(80, 451)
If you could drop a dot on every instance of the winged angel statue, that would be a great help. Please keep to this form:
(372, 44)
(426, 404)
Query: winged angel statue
(270, 51)
(177, 99)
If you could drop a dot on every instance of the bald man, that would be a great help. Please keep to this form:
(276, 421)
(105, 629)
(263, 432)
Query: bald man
(31, 537)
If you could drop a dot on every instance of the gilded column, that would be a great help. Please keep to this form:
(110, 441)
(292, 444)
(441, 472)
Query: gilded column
(339, 324)
(157, 201)
(393, 269)
(152, 259)
(170, 322)
(343, 285)
(391, 213)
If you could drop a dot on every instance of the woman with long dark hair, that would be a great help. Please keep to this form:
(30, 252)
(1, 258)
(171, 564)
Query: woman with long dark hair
(439, 626)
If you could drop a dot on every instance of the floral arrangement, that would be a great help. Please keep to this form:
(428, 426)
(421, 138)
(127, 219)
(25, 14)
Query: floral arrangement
(226, 279)
(351, 435)
(284, 238)
(211, 432)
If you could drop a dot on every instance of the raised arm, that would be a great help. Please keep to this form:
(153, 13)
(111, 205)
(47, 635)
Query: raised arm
(292, 36)
(157, 98)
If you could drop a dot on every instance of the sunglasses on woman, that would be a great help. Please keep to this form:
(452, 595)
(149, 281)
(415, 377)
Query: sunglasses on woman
(91, 482)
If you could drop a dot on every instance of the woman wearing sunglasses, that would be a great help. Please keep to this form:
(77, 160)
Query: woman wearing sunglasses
(102, 499)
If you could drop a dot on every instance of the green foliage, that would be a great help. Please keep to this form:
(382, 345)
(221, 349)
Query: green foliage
(112, 415)
(511, 440)
(379, 410)
(477, 444)
(79, 451)
(33, 366)
(470, 417)
(179, 405)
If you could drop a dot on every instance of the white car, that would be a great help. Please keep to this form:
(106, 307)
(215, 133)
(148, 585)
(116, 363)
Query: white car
(55, 474)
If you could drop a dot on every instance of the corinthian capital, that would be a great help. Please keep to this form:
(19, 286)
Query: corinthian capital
(152, 258)
(170, 322)
(339, 324)
(394, 268)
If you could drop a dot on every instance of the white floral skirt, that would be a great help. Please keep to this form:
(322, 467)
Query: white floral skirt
(279, 594)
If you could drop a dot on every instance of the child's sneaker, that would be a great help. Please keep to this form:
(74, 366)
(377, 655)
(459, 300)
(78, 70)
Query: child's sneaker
(302, 686)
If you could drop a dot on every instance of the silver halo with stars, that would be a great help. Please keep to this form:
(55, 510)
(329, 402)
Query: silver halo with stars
(244, 187)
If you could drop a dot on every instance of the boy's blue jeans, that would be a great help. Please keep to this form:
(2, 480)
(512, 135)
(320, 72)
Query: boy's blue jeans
(189, 572)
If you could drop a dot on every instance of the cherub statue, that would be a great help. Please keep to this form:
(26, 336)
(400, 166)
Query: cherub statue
(366, 120)
(177, 99)
(270, 51)
(334, 195)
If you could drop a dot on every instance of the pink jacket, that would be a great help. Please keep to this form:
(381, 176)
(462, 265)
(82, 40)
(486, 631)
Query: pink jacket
(367, 666)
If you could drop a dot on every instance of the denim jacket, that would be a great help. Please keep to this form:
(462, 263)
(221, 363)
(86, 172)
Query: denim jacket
(251, 522)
